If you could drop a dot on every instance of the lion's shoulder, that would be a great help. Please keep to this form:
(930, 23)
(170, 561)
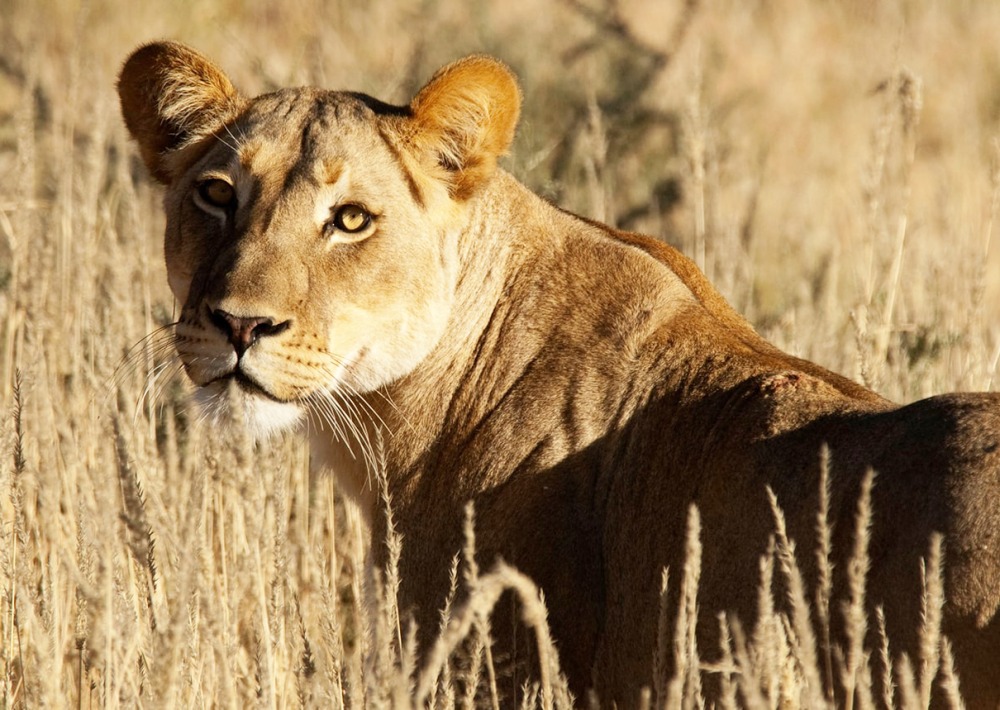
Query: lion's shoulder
(720, 323)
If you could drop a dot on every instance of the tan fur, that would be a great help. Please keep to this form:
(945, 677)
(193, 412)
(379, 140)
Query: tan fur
(581, 385)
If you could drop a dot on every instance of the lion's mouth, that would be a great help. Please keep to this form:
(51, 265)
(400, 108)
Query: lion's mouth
(247, 385)
(237, 396)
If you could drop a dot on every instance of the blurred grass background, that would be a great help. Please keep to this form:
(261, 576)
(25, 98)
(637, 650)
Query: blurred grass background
(833, 166)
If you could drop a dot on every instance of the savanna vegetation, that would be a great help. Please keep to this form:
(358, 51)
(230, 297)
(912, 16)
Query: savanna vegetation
(834, 167)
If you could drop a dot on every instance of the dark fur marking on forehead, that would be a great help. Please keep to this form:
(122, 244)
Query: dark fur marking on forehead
(324, 111)
(315, 114)
(411, 183)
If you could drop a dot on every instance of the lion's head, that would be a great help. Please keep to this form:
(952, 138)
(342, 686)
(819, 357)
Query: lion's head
(312, 236)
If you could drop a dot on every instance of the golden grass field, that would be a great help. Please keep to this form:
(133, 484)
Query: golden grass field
(833, 166)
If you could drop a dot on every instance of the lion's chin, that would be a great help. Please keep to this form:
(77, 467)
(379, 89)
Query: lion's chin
(226, 404)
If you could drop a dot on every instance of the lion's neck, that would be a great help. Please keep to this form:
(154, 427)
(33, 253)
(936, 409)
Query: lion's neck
(488, 338)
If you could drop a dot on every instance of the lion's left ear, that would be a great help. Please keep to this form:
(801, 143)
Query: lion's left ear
(465, 119)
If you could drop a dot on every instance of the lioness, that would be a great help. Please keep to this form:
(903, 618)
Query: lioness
(370, 269)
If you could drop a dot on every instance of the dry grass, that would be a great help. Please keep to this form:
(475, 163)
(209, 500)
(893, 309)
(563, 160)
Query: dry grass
(834, 167)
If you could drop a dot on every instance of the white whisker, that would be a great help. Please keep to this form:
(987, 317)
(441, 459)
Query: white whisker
(234, 146)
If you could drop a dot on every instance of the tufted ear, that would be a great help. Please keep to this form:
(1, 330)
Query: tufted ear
(171, 96)
(465, 119)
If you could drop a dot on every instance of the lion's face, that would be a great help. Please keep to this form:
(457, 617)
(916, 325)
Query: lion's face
(299, 242)
(312, 236)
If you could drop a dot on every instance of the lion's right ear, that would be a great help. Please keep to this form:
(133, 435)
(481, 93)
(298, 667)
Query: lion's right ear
(172, 96)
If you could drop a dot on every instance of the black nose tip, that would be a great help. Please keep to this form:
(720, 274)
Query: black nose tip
(245, 331)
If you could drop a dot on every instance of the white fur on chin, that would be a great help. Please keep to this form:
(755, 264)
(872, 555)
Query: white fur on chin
(223, 404)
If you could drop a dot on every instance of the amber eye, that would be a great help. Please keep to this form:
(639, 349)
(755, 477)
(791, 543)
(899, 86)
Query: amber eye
(217, 193)
(351, 218)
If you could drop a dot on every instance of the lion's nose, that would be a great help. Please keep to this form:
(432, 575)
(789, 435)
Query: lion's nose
(244, 332)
